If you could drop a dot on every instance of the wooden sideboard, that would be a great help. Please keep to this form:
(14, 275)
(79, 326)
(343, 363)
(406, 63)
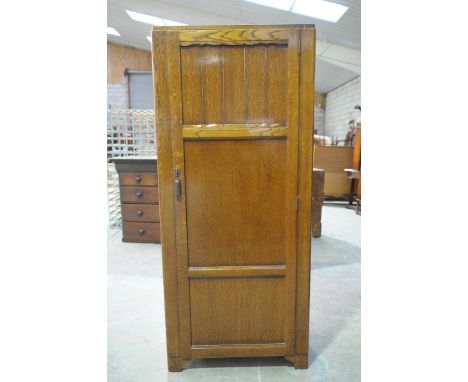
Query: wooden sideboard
(139, 199)
(317, 201)
(333, 160)
(234, 108)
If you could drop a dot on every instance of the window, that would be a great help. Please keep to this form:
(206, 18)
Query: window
(141, 89)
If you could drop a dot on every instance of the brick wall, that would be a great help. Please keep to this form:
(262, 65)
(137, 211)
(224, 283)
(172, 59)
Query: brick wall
(340, 110)
(319, 120)
(117, 95)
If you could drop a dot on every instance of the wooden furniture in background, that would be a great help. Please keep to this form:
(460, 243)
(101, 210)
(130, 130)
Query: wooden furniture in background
(317, 201)
(139, 198)
(357, 161)
(333, 160)
(356, 164)
(355, 177)
(355, 172)
(234, 107)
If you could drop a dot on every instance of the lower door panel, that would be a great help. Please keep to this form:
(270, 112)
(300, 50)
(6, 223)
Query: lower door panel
(237, 310)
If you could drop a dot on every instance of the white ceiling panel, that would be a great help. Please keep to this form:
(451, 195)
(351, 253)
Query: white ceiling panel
(328, 76)
(339, 43)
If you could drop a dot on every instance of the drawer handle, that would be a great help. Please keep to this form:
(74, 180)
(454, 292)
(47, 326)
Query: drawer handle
(139, 194)
(141, 231)
(139, 212)
(138, 178)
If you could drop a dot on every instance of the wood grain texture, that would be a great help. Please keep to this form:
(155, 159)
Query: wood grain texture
(165, 171)
(238, 271)
(317, 202)
(276, 85)
(135, 164)
(234, 131)
(140, 212)
(234, 90)
(175, 98)
(138, 179)
(138, 197)
(305, 189)
(141, 232)
(291, 177)
(253, 313)
(234, 85)
(234, 205)
(139, 194)
(236, 248)
(233, 36)
(212, 83)
(192, 89)
(255, 81)
(334, 159)
(176, 364)
(121, 58)
(238, 350)
(300, 361)
(336, 184)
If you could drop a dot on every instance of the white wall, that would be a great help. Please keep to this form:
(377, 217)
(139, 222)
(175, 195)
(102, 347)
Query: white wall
(339, 108)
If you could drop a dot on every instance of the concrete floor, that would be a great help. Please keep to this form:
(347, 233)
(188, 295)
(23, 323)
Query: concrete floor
(136, 330)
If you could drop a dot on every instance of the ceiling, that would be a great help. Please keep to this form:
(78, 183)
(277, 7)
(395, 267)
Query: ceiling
(338, 44)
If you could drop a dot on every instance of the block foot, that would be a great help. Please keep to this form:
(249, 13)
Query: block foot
(176, 364)
(300, 361)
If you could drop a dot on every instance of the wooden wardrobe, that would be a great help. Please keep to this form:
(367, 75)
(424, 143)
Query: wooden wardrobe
(234, 108)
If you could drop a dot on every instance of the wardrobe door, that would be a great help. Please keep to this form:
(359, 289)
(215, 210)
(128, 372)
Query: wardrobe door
(228, 116)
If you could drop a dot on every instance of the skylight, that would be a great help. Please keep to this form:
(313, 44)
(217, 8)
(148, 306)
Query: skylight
(112, 31)
(172, 23)
(318, 9)
(147, 19)
(285, 5)
(151, 20)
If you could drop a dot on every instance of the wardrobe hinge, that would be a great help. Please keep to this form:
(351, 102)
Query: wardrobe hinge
(294, 340)
(300, 47)
(297, 203)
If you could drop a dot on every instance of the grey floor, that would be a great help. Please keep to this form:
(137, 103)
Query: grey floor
(136, 331)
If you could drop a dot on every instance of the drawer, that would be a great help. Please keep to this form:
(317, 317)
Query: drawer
(130, 194)
(140, 212)
(141, 232)
(138, 179)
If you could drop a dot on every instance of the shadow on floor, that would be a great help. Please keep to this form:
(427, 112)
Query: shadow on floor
(330, 252)
(237, 362)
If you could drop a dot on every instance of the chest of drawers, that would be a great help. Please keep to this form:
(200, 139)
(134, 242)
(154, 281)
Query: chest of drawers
(139, 198)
